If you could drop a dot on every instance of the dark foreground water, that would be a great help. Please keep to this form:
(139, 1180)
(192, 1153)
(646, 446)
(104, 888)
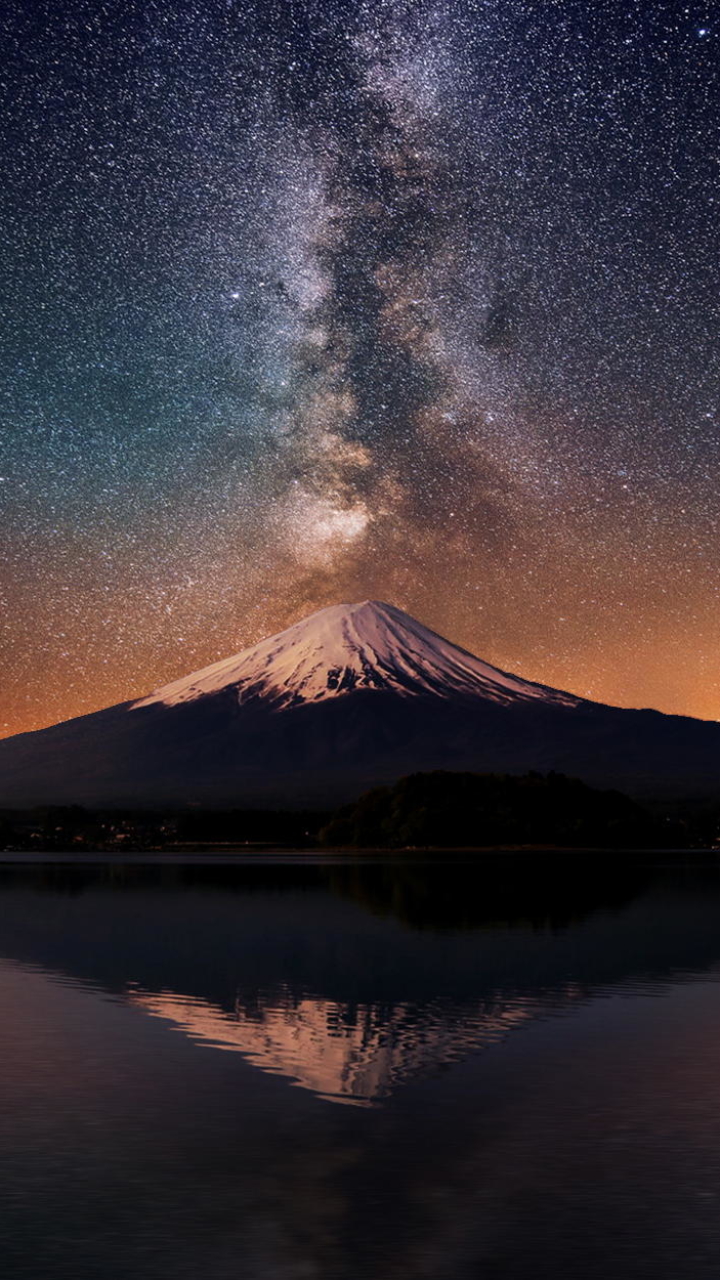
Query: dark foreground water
(360, 1071)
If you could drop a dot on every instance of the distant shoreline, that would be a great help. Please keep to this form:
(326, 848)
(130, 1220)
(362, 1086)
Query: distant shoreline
(228, 855)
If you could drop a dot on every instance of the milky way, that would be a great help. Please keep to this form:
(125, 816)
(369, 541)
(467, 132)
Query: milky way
(308, 302)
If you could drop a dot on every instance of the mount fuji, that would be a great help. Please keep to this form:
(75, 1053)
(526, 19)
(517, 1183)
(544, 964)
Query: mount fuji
(351, 697)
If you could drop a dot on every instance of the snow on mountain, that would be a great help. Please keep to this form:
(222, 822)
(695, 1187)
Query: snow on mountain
(370, 645)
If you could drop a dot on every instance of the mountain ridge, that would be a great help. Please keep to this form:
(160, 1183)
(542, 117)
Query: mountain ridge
(345, 647)
(352, 697)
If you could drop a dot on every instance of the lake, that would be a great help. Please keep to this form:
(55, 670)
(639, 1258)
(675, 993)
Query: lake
(306, 1068)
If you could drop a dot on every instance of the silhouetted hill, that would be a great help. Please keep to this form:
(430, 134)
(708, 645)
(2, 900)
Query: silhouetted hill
(469, 810)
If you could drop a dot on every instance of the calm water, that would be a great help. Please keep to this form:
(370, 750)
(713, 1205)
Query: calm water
(359, 1071)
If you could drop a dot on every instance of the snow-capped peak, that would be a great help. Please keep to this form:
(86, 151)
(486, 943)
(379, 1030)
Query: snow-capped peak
(346, 647)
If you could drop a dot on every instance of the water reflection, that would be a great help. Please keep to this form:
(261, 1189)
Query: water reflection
(324, 976)
(355, 1054)
(530, 1056)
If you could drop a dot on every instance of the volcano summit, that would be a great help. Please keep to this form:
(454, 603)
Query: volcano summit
(347, 648)
(353, 696)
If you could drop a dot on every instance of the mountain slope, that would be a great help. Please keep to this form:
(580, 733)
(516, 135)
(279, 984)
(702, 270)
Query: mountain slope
(353, 696)
(350, 647)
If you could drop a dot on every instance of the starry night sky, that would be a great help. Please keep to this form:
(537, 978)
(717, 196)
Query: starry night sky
(316, 300)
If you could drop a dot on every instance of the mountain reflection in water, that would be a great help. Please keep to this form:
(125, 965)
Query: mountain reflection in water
(352, 1054)
(528, 1047)
(355, 1050)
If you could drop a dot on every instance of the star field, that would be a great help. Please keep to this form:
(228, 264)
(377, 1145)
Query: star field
(309, 301)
